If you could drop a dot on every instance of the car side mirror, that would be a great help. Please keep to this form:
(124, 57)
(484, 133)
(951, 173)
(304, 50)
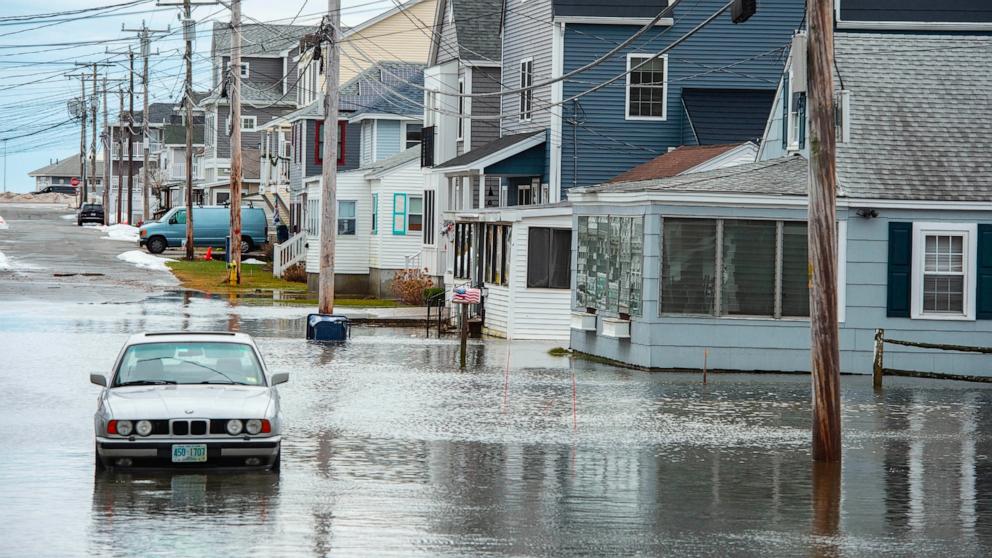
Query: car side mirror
(98, 379)
(280, 378)
(172, 221)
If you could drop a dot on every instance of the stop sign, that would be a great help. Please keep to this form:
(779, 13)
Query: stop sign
(74, 182)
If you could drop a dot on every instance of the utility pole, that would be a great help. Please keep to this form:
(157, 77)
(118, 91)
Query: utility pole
(130, 140)
(825, 346)
(93, 107)
(234, 75)
(144, 33)
(328, 214)
(82, 141)
(107, 157)
(120, 154)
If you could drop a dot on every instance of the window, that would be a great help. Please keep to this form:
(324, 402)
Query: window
(248, 124)
(414, 133)
(223, 198)
(526, 96)
(734, 268)
(375, 213)
(608, 264)
(797, 122)
(549, 254)
(496, 266)
(464, 253)
(318, 151)
(180, 217)
(647, 87)
(461, 110)
(944, 268)
(429, 197)
(415, 215)
(346, 217)
(399, 214)
(245, 69)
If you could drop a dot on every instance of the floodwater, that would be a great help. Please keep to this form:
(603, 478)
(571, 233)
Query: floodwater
(391, 450)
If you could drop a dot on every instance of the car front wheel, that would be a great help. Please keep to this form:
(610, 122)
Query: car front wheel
(98, 464)
(246, 245)
(156, 245)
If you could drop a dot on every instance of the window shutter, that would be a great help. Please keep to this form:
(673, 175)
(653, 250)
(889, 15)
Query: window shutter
(399, 214)
(900, 263)
(984, 281)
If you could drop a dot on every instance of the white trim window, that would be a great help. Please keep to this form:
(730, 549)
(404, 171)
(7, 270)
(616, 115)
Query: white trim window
(526, 106)
(647, 87)
(245, 69)
(461, 109)
(945, 259)
(248, 124)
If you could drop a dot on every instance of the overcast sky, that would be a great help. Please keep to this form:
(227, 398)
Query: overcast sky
(34, 55)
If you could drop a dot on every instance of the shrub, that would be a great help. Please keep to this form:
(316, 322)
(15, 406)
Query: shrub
(431, 292)
(296, 273)
(409, 286)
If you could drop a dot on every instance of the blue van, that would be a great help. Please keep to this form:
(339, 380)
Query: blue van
(211, 225)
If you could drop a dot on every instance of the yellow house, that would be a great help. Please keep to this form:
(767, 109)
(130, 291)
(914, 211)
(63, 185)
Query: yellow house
(402, 34)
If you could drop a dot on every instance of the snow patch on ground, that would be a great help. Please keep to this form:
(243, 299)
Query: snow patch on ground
(145, 260)
(7, 264)
(253, 261)
(125, 233)
(69, 217)
(3, 225)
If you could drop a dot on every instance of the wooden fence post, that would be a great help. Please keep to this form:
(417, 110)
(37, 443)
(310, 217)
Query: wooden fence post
(878, 365)
(464, 335)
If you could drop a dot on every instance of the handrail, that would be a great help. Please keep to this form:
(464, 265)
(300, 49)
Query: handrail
(878, 364)
(414, 261)
(289, 253)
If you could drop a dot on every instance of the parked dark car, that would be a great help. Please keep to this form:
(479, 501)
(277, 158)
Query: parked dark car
(58, 190)
(89, 213)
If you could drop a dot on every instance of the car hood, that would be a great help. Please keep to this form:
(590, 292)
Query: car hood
(188, 401)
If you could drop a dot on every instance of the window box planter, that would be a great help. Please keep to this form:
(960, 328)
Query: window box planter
(616, 328)
(583, 321)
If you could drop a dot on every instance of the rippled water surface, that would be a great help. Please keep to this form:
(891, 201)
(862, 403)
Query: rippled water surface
(391, 450)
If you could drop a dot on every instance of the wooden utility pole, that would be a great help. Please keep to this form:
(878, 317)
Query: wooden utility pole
(82, 141)
(120, 154)
(107, 157)
(130, 141)
(234, 93)
(825, 346)
(328, 214)
(93, 108)
(189, 29)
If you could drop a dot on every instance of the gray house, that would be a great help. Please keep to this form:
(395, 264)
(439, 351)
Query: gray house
(665, 271)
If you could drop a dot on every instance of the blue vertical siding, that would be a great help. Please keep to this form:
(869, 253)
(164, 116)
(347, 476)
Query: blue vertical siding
(606, 143)
(387, 138)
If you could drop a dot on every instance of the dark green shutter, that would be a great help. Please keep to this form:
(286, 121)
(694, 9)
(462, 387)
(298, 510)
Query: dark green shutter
(900, 264)
(984, 283)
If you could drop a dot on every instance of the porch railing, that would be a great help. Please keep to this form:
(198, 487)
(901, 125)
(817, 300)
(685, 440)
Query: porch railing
(414, 262)
(289, 253)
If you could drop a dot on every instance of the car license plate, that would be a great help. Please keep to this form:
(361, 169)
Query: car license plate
(189, 453)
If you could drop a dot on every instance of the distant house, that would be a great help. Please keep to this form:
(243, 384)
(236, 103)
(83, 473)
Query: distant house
(716, 263)
(61, 173)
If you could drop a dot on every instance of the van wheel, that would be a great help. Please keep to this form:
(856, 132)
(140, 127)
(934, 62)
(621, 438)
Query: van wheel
(246, 245)
(156, 244)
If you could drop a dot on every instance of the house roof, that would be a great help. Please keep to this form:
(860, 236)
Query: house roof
(159, 113)
(491, 148)
(394, 161)
(919, 116)
(786, 176)
(258, 40)
(476, 22)
(598, 8)
(378, 91)
(719, 116)
(675, 162)
(70, 167)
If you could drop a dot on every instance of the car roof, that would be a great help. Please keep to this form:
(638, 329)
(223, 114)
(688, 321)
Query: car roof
(191, 337)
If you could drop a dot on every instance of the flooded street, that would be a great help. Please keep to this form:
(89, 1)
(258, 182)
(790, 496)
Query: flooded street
(389, 449)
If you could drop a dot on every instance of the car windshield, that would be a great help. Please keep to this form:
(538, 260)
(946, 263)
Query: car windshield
(189, 363)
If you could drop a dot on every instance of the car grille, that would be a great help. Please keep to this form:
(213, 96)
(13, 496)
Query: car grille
(189, 427)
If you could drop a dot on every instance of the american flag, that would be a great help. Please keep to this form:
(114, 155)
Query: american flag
(467, 295)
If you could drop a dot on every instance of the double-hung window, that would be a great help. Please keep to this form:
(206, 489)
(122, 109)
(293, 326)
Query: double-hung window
(375, 213)
(414, 134)
(944, 270)
(526, 95)
(549, 254)
(346, 217)
(318, 140)
(415, 214)
(647, 87)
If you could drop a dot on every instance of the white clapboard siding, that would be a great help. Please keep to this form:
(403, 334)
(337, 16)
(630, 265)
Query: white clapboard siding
(389, 251)
(536, 313)
(497, 310)
(351, 252)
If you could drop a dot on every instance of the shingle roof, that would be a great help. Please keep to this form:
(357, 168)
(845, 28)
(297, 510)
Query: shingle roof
(487, 149)
(919, 116)
(786, 176)
(477, 24)
(674, 162)
(70, 167)
(381, 91)
(393, 161)
(727, 115)
(258, 40)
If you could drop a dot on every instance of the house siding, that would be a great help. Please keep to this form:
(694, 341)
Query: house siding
(448, 44)
(526, 33)
(393, 249)
(387, 138)
(485, 80)
(351, 254)
(668, 342)
(966, 11)
(400, 37)
(536, 313)
(263, 73)
(617, 144)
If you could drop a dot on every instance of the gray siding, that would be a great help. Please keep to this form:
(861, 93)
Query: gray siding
(248, 139)
(966, 11)
(263, 73)
(485, 80)
(448, 46)
(352, 147)
(527, 33)
(667, 342)
(387, 138)
(309, 155)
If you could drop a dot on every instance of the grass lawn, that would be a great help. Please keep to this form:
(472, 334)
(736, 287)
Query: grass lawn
(211, 277)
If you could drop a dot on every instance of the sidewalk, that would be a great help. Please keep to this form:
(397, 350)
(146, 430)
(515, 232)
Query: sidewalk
(402, 316)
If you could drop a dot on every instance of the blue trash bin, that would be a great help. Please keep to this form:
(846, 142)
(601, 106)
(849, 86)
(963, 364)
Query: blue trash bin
(328, 327)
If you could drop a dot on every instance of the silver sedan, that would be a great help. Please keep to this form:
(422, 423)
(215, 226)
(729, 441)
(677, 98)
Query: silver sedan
(182, 400)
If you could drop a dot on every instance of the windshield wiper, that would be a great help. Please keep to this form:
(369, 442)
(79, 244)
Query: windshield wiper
(146, 383)
(214, 370)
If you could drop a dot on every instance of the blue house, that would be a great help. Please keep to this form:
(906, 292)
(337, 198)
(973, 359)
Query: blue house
(667, 271)
(621, 109)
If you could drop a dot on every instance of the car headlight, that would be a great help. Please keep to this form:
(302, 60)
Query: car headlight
(143, 428)
(253, 426)
(124, 427)
(143, 232)
(234, 427)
